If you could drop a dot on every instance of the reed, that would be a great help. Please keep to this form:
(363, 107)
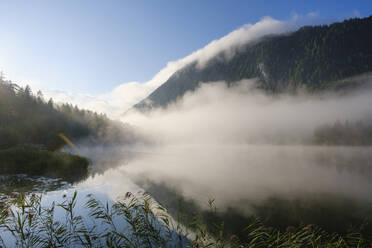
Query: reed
(136, 220)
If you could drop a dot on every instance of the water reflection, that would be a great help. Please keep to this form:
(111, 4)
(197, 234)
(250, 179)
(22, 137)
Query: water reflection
(284, 185)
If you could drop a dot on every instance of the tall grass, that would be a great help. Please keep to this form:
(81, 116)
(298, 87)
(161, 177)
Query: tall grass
(138, 221)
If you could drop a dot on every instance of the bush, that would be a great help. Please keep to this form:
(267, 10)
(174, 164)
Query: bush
(35, 161)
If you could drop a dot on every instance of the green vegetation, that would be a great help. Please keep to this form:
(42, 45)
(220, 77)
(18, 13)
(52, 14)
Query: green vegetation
(312, 58)
(26, 118)
(32, 160)
(31, 129)
(144, 223)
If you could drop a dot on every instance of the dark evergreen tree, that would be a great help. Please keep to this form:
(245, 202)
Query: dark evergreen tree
(28, 119)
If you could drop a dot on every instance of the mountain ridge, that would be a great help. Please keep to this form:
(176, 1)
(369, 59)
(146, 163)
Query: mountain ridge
(313, 57)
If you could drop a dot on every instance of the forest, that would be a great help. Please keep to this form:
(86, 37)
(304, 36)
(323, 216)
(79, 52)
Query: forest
(33, 130)
(28, 118)
(314, 58)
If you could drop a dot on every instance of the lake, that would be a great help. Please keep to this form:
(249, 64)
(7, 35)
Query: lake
(283, 185)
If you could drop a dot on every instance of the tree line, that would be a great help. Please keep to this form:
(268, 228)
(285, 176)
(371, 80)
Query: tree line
(28, 118)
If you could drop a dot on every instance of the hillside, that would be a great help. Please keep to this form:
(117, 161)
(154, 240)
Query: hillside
(26, 119)
(314, 58)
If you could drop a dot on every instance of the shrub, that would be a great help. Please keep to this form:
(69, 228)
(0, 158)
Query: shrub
(35, 161)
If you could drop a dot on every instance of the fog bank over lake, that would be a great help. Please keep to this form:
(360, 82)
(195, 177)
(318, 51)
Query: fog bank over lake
(256, 172)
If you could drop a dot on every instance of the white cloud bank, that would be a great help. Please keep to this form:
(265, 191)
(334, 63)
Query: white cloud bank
(124, 96)
(240, 143)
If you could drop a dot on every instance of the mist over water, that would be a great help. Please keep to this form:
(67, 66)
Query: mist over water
(216, 114)
(243, 148)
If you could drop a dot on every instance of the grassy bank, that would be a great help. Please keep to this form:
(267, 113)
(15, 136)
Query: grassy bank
(35, 161)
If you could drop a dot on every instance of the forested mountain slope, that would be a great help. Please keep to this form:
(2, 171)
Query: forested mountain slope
(26, 118)
(314, 58)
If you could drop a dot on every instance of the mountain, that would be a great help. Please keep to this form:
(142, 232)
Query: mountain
(314, 58)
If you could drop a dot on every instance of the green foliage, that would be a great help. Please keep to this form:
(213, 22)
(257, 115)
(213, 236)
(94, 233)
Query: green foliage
(32, 160)
(144, 223)
(29, 119)
(316, 56)
(8, 137)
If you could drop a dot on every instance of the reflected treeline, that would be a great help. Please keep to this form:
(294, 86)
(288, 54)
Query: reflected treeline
(234, 220)
(350, 133)
(10, 184)
(333, 213)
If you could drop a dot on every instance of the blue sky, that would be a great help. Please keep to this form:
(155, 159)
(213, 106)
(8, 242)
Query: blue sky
(92, 46)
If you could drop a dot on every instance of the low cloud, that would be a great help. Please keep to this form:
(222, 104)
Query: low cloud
(243, 114)
(124, 96)
(233, 143)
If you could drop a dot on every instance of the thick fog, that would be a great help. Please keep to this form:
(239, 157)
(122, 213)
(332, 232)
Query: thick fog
(241, 114)
(239, 143)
